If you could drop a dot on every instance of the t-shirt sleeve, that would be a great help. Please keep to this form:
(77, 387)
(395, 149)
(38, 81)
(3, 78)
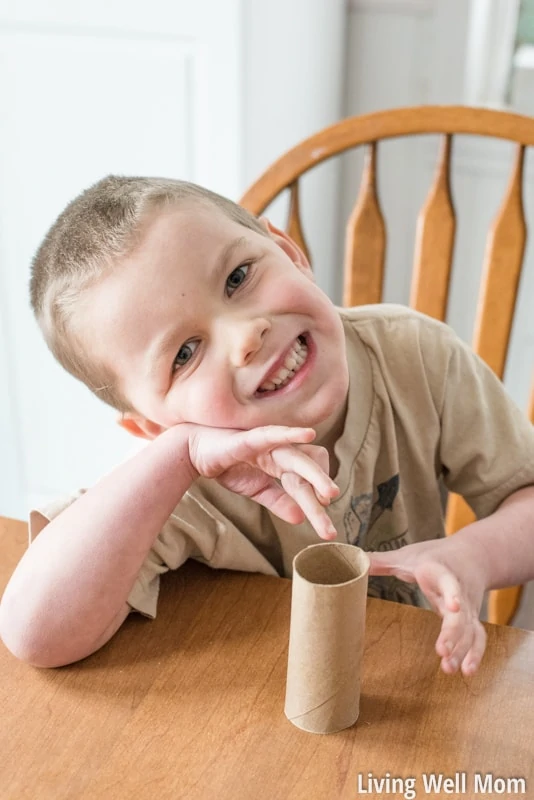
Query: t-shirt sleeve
(185, 534)
(196, 529)
(486, 441)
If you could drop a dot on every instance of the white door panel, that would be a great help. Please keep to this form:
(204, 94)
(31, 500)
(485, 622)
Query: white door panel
(206, 90)
(88, 89)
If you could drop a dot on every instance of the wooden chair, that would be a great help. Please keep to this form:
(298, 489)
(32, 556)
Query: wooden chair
(366, 238)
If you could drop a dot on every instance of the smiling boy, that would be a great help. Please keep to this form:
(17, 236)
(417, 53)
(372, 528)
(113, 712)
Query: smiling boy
(204, 327)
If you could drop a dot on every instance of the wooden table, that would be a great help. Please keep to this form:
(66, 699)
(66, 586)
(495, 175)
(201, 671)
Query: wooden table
(191, 705)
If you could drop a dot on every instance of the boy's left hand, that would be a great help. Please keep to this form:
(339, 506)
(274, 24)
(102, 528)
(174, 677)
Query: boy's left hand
(454, 589)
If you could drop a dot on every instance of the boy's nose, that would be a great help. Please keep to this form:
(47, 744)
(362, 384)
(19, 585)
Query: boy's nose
(246, 339)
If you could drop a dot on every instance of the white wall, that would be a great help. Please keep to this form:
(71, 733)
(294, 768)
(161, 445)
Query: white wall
(293, 87)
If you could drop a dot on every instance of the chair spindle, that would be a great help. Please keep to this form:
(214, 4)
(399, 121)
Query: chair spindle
(502, 269)
(294, 225)
(503, 606)
(365, 244)
(434, 243)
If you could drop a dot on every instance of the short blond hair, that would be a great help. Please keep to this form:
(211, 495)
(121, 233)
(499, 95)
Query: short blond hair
(95, 230)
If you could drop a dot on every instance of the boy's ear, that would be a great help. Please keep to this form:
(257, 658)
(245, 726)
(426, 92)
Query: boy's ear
(138, 426)
(287, 244)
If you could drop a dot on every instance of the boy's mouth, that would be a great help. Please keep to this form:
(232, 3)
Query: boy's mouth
(293, 362)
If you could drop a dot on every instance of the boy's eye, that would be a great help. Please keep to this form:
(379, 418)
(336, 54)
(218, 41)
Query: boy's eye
(184, 354)
(236, 278)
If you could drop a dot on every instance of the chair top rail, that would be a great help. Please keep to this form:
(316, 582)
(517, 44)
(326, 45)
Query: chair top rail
(388, 124)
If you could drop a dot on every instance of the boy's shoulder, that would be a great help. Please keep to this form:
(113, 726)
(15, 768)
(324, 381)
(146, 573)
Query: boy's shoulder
(388, 315)
(392, 326)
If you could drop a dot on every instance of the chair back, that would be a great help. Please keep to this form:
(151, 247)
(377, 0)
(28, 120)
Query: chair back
(365, 242)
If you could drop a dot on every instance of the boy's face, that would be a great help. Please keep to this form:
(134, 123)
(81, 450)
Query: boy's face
(199, 320)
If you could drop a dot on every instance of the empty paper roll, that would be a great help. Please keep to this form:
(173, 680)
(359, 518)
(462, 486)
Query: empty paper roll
(328, 605)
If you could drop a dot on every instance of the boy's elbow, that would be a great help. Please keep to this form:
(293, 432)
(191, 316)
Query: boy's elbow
(29, 647)
(27, 638)
(31, 642)
(34, 656)
(42, 653)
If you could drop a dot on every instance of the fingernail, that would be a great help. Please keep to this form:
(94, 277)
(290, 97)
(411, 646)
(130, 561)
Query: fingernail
(454, 664)
(448, 647)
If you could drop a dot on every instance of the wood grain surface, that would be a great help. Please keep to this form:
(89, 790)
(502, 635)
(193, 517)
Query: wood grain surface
(191, 705)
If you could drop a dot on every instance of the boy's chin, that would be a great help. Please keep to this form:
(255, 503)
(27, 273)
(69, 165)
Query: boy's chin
(319, 418)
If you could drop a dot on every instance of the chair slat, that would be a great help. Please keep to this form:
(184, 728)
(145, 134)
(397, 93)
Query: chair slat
(459, 514)
(294, 225)
(365, 244)
(502, 269)
(434, 243)
(503, 604)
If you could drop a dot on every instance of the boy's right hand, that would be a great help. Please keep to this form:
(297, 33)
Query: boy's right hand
(251, 462)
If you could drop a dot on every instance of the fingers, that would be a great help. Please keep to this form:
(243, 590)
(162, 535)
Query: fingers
(295, 460)
(320, 456)
(394, 562)
(293, 502)
(462, 639)
(282, 453)
(383, 563)
(214, 450)
(471, 661)
(239, 458)
(461, 643)
(248, 445)
(280, 503)
(275, 449)
(440, 587)
(303, 494)
(303, 473)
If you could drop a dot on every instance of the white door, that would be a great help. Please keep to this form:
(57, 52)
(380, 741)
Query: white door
(86, 89)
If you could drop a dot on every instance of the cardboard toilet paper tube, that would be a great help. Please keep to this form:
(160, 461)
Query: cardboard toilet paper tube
(328, 605)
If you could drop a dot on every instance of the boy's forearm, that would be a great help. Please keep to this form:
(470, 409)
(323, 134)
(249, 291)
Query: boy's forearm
(76, 576)
(504, 541)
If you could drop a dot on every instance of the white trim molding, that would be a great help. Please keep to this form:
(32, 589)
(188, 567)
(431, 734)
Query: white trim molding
(524, 57)
(490, 49)
(397, 6)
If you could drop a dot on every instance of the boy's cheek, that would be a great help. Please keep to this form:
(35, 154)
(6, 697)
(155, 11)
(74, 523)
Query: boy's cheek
(201, 405)
(293, 295)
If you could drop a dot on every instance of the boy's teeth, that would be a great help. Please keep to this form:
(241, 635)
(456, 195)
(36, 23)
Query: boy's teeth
(291, 365)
